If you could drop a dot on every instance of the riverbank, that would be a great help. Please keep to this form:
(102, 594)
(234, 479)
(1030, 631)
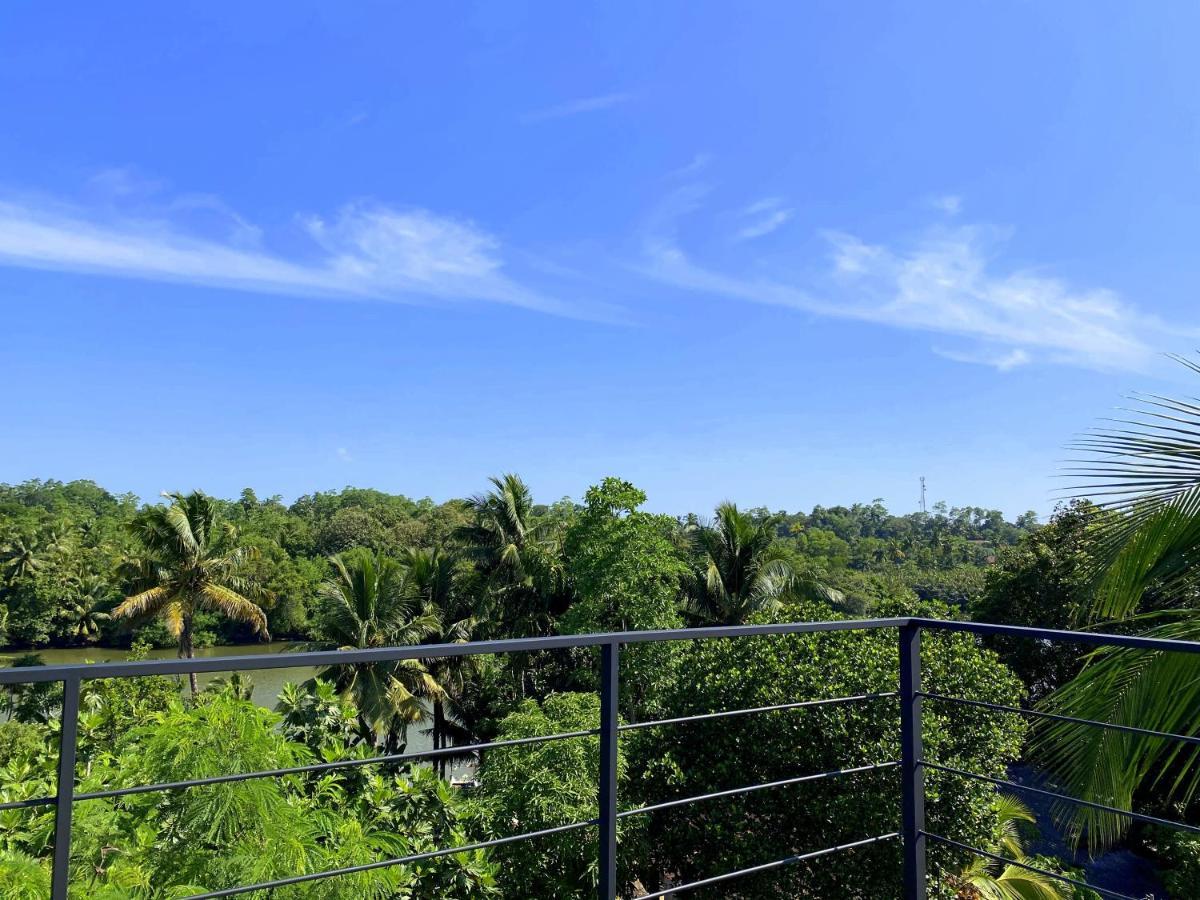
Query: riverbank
(267, 682)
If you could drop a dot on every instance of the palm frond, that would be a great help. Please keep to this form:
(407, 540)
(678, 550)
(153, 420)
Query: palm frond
(403, 704)
(1160, 549)
(989, 880)
(233, 605)
(1152, 690)
(1016, 883)
(188, 534)
(1143, 473)
(1011, 812)
(146, 603)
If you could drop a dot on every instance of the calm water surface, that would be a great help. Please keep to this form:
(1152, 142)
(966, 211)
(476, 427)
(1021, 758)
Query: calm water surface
(267, 682)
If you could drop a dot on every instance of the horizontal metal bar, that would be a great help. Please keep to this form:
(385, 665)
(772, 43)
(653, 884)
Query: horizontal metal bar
(1020, 865)
(1190, 739)
(766, 867)
(755, 709)
(1128, 641)
(26, 804)
(384, 863)
(732, 792)
(341, 764)
(1066, 798)
(321, 658)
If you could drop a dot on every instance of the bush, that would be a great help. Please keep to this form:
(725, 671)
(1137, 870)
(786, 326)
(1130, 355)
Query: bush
(178, 843)
(541, 786)
(718, 836)
(1178, 854)
(1040, 583)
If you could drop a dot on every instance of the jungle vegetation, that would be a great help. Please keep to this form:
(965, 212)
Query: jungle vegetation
(80, 566)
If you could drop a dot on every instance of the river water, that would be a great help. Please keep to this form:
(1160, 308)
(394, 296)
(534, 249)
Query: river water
(267, 682)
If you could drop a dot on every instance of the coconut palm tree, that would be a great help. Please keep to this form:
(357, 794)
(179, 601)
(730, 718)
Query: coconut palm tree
(19, 557)
(742, 570)
(85, 609)
(235, 684)
(1144, 473)
(519, 562)
(502, 528)
(190, 565)
(368, 604)
(518, 557)
(429, 575)
(986, 879)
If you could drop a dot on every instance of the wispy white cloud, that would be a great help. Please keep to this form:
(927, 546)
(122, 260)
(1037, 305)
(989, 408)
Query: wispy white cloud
(576, 107)
(1001, 360)
(123, 182)
(241, 232)
(366, 251)
(950, 280)
(761, 218)
(699, 163)
(344, 455)
(949, 204)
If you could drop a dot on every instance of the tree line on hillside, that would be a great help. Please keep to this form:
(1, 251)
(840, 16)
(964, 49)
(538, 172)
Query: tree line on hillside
(70, 552)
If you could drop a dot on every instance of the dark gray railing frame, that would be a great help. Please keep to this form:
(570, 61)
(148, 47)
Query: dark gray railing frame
(912, 831)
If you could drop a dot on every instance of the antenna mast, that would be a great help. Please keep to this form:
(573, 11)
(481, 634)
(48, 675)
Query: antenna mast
(922, 493)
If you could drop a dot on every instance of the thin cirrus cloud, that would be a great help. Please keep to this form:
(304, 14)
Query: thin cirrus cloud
(945, 282)
(1001, 360)
(577, 107)
(948, 204)
(370, 252)
(761, 218)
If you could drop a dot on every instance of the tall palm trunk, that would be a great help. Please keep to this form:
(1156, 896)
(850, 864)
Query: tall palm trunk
(188, 651)
(439, 735)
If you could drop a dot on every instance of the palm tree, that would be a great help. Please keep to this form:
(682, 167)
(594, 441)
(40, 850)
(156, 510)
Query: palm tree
(235, 684)
(985, 879)
(519, 560)
(742, 570)
(502, 527)
(368, 604)
(189, 566)
(84, 610)
(19, 558)
(1144, 471)
(519, 556)
(430, 576)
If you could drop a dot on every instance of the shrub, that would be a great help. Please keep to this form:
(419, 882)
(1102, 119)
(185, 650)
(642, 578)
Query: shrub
(539, 786)
(721, 835)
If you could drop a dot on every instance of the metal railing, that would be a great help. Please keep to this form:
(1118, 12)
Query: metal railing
(911, 829)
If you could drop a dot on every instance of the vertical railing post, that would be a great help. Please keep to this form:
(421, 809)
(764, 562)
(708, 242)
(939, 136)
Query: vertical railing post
(912, 774)
(64, 801)
(610, 694)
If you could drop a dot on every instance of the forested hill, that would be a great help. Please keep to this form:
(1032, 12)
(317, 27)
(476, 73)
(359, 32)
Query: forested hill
(68, 554)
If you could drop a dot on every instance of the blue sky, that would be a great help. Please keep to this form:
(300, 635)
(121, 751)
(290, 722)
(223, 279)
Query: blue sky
(780, 253)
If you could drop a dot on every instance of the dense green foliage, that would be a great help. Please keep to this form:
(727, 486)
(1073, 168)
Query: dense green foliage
(1179, 855)
(181, 842)
(541, 786)
(1041, 582)
(360, 568)
(700, 758)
